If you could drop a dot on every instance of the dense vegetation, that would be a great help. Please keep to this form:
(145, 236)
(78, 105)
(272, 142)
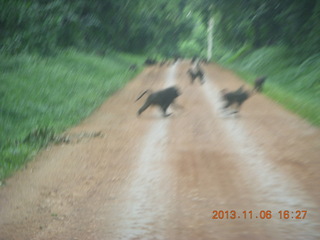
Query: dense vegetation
(43, 96)
(295, 85)
(140, 25)
(278, 39)
(39, 71)
(133, 26)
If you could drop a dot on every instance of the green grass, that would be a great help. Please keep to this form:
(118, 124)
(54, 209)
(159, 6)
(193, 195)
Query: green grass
(292, 82)
(47, 95)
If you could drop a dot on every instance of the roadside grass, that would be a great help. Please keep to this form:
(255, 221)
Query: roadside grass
(293, 83)
(41, 97)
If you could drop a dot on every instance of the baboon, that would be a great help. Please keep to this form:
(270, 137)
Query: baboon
(204, 60)
(150, 61)
(237, 97)
(196, 73)
(163, 62)
(193, 59)
(198, 60)
(163, 98)
(176, 58)
(258, 84)
(133, 67)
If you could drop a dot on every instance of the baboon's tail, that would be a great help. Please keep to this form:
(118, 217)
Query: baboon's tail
(253, 91)
(142, 95)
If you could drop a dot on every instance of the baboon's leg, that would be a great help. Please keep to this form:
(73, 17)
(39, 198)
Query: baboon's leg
(258, 87)
(238, 107)
(200, 76)
(192, 79)
(227, 104)
(164, 110)
(201, 79)
(144, 107)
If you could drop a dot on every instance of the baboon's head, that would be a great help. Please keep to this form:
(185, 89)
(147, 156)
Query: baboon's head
(260, 80)
(175, 92)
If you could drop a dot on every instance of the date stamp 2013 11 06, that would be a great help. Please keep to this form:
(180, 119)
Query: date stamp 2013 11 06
(262, 214)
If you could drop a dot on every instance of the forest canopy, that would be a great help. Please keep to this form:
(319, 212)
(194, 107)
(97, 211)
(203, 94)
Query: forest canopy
(169, 27)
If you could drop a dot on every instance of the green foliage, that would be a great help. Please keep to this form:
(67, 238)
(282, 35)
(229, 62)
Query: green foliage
(294, 23)
(191, 48)
(229, 58)
(133, 26)
(30, 25)
(40, 97)
(162, 26)
(195, 44)
(290, 81)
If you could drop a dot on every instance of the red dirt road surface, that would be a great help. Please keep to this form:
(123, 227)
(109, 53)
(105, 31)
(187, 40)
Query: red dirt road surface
(198, 174)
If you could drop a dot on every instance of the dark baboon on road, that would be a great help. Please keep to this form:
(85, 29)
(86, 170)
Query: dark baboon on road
(237, 97)
(163, 98)
(258, 84)
(196, 73)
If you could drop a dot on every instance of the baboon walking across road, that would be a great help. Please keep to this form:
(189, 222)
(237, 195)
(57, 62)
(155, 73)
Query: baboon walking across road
(163, 98)
(236, 98)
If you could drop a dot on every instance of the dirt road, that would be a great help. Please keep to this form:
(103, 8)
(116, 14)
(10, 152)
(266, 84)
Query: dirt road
(123, 177)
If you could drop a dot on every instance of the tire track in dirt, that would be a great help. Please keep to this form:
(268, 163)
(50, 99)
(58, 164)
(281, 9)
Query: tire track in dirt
(203, 175)
(147, 205)
(271, 189)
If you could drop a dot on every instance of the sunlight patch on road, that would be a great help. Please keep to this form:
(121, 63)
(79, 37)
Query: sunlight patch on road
(269, 185)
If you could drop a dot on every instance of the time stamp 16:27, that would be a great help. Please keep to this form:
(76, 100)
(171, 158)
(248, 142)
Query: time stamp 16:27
(263, 214)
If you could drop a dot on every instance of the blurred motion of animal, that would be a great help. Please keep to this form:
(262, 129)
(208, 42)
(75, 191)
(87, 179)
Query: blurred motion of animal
(163, 98)
(258, 84)
(197, 60)
(193, 59)
(133, 67)
(204, 60)
(196, 73)
(176, 58)
(163, 62)
(237, 97)
(150, 61)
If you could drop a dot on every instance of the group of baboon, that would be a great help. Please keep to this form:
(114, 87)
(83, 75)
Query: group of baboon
(166, 97)
(195, 71)
(239, 96)
(166, 61)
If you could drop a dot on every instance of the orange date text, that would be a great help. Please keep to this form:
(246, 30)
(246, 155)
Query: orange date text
(262, 214)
